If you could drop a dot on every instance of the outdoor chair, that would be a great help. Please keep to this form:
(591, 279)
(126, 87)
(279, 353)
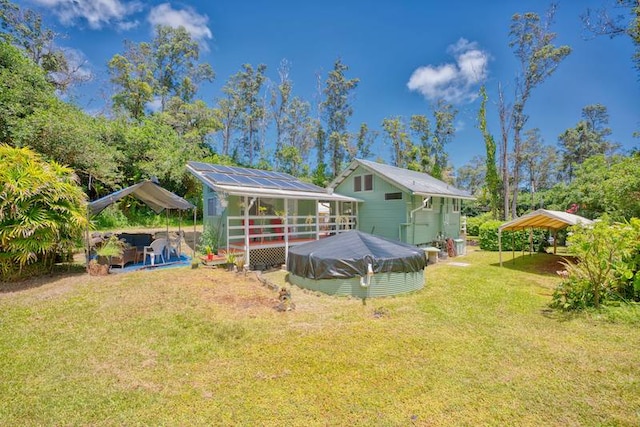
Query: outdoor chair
(156, 249)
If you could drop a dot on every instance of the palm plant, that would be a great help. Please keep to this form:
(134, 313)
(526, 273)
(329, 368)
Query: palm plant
(42, 209)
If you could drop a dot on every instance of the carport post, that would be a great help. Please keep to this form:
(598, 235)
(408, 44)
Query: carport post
(500, 245)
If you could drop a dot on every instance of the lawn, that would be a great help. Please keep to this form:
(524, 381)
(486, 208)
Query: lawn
(477, 346)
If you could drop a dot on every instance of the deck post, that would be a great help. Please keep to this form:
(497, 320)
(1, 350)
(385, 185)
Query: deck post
(246, 232)
(317, 219)
(286, 230)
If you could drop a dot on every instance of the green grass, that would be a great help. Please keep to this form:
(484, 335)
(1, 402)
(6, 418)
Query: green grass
(476, 346)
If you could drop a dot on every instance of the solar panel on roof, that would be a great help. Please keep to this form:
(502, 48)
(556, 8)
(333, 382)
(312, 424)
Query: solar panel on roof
(245, 177)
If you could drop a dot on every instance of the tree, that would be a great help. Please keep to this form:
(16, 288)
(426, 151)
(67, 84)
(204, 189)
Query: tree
(337, 110)
(24, 90)
(532, 41)
(23, 28)
(420, 129)
(42, 210)
(252, 109)
(586, 139)
(492, 179)
(538, 162)
(627, 23)
(133, 74)
(364, 141)
(472, 176)
(176, 71)
(396, 133)
(279, 103)
(165, 68)
(443, 132)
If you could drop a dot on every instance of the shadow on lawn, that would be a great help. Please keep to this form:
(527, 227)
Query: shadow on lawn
(60, 272)
(537, 263)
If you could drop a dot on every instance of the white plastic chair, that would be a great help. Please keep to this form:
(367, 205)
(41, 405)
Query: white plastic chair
(156, 249)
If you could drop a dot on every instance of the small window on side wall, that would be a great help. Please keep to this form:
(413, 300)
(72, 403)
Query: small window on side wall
(213, 206)
(456, 205)
(428, 205)
(368, 182)
(357, 183)
(393, 196)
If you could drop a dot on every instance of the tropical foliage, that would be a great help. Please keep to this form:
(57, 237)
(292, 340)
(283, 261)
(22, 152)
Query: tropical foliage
(42, 210)
(607, 268)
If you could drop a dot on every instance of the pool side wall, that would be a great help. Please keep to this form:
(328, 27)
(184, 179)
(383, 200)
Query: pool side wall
(382, 284)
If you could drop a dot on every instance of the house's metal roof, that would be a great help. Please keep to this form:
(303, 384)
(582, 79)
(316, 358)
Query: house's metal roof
(239, 181)
(543, 218)
(415, 182)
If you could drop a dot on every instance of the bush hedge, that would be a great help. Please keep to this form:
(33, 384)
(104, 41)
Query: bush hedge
(511, 240)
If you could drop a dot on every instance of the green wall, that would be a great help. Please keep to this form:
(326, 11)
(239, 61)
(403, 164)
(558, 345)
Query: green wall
(377, 215)
(392, 218)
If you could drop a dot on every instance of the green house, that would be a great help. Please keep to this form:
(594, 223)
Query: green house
(397, 203)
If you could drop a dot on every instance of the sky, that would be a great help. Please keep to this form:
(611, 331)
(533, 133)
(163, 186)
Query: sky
(407, 55)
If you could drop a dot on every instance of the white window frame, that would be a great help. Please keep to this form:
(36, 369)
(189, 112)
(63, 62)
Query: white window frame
(363, 180)
(456, 205)
(217, 207)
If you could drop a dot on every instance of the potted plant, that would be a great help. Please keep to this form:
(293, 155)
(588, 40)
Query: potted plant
(209, 251)
(230, 259)
(110, 248)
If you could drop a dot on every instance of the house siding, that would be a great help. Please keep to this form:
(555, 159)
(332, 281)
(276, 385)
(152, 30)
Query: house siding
(377, 215)
(392, 218)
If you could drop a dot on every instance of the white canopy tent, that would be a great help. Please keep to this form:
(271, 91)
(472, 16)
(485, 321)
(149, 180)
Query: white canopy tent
(149, 192)
(542, 218)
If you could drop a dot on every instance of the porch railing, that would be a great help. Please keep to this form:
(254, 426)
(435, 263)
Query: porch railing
(273, 229)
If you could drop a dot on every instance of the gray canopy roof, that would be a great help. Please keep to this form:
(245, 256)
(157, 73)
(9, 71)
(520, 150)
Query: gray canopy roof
(152, 194)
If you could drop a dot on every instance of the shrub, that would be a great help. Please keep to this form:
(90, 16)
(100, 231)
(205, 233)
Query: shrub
(42, 211)
(607, 270)
(511, 240)
(474, 223)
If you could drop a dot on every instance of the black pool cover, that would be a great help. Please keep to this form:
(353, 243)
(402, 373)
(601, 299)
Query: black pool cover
(347, 255)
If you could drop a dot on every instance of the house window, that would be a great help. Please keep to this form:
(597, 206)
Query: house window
(213, 205)
(393, 196)
(359, 185)
(368, 182)
(428, 204)
(456, 205)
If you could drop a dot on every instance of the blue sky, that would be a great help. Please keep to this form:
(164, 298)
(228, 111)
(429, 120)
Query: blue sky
(405, 53)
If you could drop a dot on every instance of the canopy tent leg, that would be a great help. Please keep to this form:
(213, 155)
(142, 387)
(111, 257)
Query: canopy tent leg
(513, 248)
(555, 241)
(500, 246)
(193, 249)
(531, 241)
(87, 243)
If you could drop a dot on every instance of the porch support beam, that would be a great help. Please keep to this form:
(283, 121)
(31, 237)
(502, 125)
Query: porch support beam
(286, 230)
(317, 219)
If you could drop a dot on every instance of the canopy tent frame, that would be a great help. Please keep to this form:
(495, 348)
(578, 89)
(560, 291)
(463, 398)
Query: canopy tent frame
(541, 218)
(153, 195)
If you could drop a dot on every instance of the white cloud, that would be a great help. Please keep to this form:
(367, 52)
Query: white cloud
(97, 13)
(188, 18)
(453, 82)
